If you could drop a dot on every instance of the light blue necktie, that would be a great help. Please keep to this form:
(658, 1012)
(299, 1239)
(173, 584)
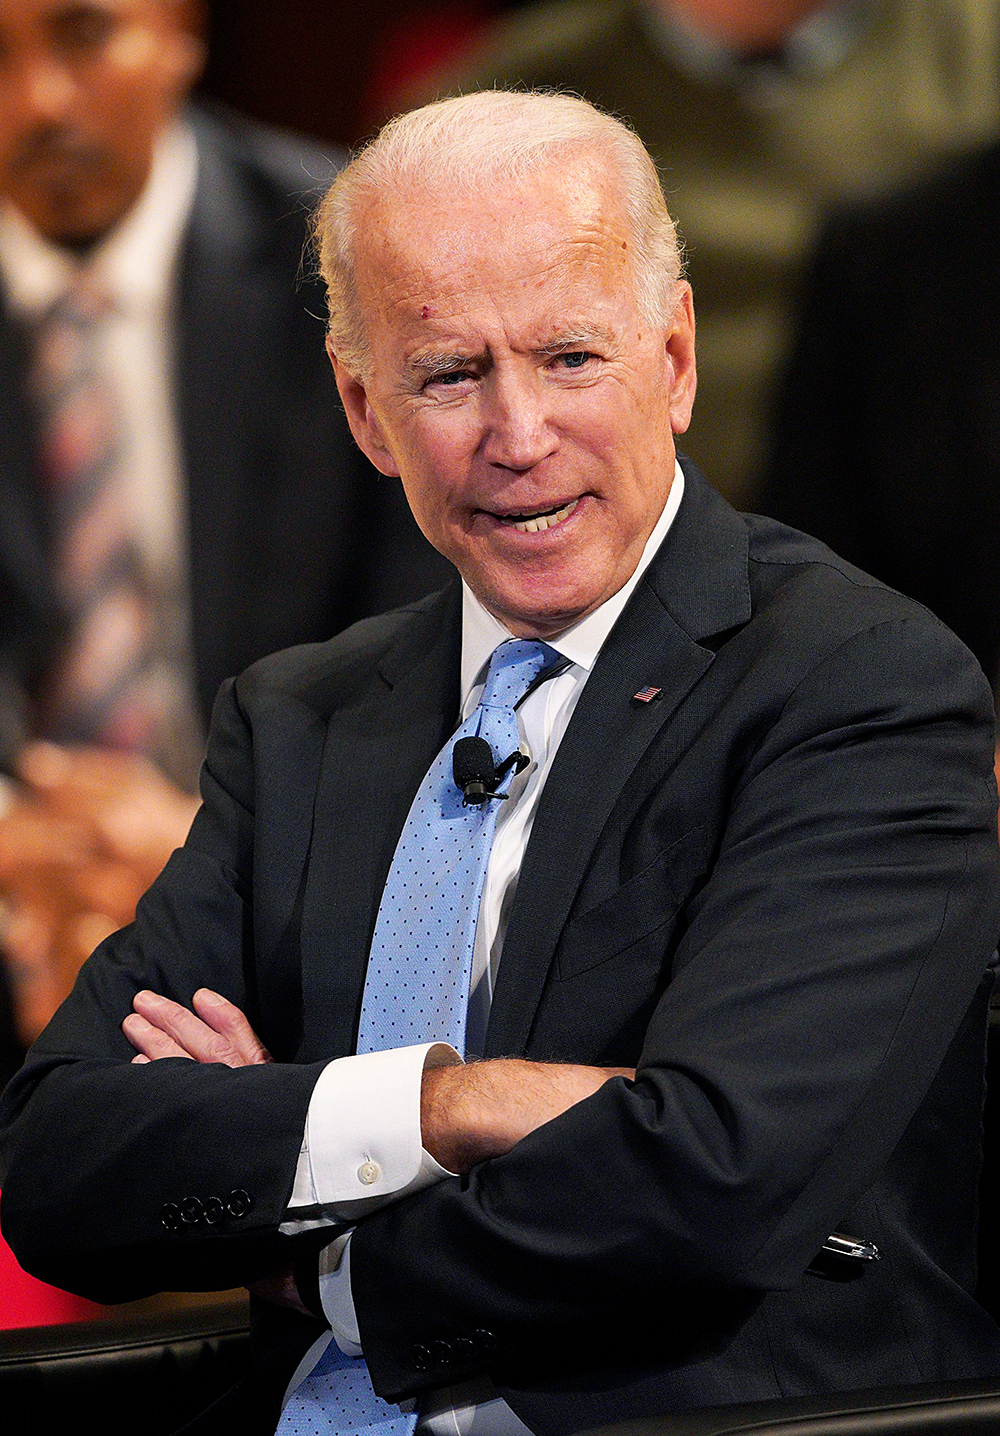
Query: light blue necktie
(417, 984)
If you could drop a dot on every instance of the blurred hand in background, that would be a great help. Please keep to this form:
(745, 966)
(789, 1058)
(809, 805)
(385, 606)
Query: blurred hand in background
(81, 839)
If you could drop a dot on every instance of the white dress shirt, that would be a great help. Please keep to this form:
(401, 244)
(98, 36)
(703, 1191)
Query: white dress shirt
(361, 1147)
(134, 267)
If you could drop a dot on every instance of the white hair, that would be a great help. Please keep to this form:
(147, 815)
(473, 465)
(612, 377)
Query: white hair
(473, 142)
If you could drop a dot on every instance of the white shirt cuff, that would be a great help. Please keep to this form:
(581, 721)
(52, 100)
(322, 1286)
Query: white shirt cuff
(361, 1147)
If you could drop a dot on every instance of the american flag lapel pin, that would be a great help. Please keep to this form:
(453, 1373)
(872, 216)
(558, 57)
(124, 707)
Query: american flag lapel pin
(646, 695)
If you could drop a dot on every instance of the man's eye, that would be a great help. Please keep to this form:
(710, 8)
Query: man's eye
(576, 359)
(85, 30)
(452, 376)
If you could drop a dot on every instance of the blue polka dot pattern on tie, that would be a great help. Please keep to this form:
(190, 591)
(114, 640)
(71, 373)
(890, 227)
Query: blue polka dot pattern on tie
(337, 1396)
(417, 985)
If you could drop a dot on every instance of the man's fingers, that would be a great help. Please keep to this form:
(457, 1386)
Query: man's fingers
(33, 837)
(226, 1018)
(134, 811)
(217, 1032)
(193, 1037)
(152, 1042)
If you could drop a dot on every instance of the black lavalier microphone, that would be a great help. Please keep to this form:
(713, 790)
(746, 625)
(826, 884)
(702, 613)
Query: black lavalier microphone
(476, 772)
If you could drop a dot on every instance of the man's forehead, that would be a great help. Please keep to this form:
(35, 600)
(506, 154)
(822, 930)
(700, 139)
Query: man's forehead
(424, 243)
(49, 11)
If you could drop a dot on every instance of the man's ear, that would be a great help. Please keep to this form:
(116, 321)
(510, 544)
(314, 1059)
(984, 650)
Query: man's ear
(681, 361)
(365, 426)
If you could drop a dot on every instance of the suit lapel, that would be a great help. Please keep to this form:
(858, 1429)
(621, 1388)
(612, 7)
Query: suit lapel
(696, 586)
(21, 517)
(225, 314)
(380, 743)
(27, 601)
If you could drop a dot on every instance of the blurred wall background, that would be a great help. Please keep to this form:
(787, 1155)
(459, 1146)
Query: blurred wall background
(330, 68)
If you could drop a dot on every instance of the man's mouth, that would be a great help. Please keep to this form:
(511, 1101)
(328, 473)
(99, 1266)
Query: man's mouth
(537, 522)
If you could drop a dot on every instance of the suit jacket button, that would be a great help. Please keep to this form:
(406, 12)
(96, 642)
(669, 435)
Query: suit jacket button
(422, 1358)
(441, 1353)
(464, 1349)
(170, 1216)
(485, 1340)
(192, 1211)
(215, 1210)
(239, 1203)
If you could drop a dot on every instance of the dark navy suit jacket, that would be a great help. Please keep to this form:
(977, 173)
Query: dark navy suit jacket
(774, 890)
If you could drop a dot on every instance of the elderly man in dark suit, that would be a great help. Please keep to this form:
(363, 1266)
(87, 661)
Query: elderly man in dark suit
(219, 503)
(706, 879)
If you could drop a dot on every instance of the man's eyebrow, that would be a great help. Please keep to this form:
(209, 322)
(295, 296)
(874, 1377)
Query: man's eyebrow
(428, 365)
(580, 337)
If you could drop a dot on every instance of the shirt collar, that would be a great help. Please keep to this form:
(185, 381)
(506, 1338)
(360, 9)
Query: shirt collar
(133, 265)
(819, 44)
(481, 632)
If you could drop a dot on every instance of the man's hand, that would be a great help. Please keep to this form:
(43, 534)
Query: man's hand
(85, 836)
(216, 1031)
(467, 1114)
(132, 812)
(481, 1110)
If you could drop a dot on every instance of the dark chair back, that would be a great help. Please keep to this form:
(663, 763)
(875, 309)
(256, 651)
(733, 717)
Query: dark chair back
(122, 1376)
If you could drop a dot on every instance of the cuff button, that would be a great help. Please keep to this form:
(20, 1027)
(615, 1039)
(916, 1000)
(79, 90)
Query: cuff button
(464, 1349)
(422, 1358)
(369, 1172)
(442, 1353)
(485, 1341)
(192, 1211)
(239, 1203)
(215, 1210)
(170, 1216)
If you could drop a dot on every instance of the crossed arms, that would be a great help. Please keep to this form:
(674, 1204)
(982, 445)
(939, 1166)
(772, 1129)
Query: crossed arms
(468, 1113)
(850, 893)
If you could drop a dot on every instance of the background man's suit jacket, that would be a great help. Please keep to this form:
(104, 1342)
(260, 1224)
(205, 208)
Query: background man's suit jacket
(774, 889)
(887, 440)
(292, 534)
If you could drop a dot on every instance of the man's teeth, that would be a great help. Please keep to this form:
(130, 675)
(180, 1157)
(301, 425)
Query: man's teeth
(537, 523)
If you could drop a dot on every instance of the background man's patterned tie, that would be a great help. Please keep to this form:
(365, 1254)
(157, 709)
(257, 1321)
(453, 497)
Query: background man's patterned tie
(96, 690)
(417, 984)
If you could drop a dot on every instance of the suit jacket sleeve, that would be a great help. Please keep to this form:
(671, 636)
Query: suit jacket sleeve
(97, 1148)
(822, 970)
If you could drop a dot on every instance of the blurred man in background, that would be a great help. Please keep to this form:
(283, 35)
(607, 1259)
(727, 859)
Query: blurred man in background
(760, 114)
(887, 441)
(178, 490)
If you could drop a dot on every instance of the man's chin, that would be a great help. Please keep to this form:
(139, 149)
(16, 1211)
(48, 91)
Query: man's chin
(69, 212)
(545, 618)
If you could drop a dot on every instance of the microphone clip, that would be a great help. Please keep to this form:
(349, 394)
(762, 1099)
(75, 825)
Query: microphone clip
(476, 772)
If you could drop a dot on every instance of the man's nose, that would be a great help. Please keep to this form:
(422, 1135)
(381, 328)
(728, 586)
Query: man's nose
(519, 429)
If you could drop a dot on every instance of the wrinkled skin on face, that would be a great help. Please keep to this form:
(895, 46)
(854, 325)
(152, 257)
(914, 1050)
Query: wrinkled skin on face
(514, 386)
(85, 88)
